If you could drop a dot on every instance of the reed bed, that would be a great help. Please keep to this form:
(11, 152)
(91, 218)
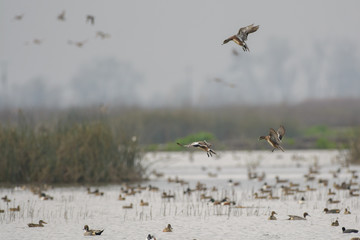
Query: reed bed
(69, 151)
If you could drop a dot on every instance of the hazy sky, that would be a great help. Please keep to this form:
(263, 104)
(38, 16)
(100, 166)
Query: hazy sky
(174, 47)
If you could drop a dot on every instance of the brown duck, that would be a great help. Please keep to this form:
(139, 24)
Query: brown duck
(274, 138)
(241, 36)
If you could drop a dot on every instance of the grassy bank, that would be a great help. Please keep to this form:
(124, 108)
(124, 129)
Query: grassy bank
(67, 152)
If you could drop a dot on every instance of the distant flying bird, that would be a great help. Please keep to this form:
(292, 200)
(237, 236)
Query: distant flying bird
(102, 35)
(91, 19)
(91, 232)
(219, 80)
(37, 41)
(274, 138)
(19, 17)
(203, 145)
(241, 36)
(61, 16)
(78, 44)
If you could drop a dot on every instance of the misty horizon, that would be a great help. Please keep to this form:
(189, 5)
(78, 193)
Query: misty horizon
(166, 60)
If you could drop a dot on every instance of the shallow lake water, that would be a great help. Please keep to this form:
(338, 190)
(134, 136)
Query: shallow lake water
(190, 216)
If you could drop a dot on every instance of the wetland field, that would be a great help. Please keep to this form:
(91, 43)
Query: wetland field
(230, 178)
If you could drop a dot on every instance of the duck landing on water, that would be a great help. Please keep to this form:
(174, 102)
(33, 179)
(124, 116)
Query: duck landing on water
(274, 138)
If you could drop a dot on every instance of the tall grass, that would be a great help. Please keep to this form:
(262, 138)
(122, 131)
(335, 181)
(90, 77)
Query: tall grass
(354, 149)
(67, 152)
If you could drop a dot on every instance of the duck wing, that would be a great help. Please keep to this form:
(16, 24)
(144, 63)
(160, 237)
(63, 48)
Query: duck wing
(281, 132)
(274, 136)
(244, 31)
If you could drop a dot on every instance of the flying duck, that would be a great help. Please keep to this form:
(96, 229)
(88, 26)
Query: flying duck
(274, 138)
(203, 145)
(241, 36)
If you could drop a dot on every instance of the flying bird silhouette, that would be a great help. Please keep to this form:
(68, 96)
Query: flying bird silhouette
(61, 16)
(91, 19)
(241, 36)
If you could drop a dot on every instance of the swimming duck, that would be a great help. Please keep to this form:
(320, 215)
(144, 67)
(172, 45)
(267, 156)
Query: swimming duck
(203, 145)
(330, 192)
(6, 199)
(278, 180)
(272, 197)
(327, 211)
(241, 36)
(346, 211)
(302, 200)
(121, 198)
(293, 217)
(274, 138)
(44, 196)
(168, 228)
(349, 230)
(17, 209)
(272, 217)
(335, 224)
(91, 232)
(150, 237)
(128, 206)
(331, 201)
(41, 222)
(256, 195)
(142, 203)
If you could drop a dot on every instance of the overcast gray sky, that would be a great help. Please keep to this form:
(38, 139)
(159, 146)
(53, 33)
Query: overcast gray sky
(173, 48)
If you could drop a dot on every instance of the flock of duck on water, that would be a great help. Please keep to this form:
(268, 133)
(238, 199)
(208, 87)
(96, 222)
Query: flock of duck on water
(274, 138)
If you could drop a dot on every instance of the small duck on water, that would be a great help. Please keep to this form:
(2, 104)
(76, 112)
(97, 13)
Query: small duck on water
(335, 224)
(349, 230)
(17, 209)
(272, 217)
(41, 222)
(327, 211)
(293, 217)
(346, 211)
(91, 232)
(168, 228)
(150, 237)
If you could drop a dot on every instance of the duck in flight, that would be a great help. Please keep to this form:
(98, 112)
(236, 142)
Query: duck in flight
(203, 145)
(274, 138)
(241, 36)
